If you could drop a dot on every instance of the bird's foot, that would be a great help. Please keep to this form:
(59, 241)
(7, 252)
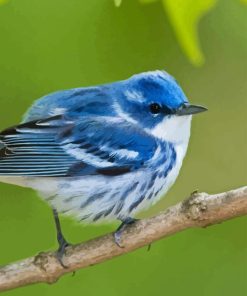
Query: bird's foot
(118, 233)
(63, 244)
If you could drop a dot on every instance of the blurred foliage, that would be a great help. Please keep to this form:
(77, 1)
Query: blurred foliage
(118, 2)
(3, 1)
(184, 16)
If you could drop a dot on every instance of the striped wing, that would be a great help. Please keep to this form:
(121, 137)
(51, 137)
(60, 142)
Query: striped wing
(31, 149)
(58, 147)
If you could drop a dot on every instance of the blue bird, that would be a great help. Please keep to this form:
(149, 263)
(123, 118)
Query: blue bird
(101, 153)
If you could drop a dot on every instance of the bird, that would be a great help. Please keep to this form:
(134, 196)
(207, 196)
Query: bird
(101, 153)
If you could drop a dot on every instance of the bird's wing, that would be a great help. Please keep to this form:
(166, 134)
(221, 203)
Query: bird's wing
(62, 147)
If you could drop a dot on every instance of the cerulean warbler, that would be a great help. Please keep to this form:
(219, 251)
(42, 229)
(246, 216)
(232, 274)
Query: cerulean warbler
(104, 152)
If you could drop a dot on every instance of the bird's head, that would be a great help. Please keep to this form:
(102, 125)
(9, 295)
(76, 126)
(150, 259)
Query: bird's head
(156, 102)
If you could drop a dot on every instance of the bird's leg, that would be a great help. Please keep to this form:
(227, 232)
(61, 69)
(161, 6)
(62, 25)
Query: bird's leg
(118, 233)
(63, 244)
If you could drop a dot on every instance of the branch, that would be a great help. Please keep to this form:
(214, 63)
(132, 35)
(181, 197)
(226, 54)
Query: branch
(199, 210)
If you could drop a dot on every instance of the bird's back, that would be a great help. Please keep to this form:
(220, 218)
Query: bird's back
(92, 100)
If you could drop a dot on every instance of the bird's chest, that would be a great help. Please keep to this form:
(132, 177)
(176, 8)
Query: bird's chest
(160, 177)
(166, 177)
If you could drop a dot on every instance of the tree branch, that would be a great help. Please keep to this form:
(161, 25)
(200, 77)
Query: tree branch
(199, 210)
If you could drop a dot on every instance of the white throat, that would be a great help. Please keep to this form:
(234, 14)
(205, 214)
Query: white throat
(175, 130)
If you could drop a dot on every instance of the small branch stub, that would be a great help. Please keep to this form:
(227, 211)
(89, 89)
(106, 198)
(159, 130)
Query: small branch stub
(199, 210)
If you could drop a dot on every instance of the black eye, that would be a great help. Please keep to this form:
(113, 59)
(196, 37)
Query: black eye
(155, 108)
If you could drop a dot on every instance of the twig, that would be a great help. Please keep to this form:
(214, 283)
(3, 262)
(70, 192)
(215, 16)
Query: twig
(199, 210)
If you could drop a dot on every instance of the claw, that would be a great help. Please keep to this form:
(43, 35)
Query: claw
(117, 239)
(63, 244)
(118, 233)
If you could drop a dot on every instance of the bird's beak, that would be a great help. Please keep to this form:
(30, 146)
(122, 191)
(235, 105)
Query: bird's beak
(188, 109)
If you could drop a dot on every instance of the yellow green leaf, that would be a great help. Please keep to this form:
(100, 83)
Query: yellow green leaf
(118, 2)
(3, 1)
(184, 16)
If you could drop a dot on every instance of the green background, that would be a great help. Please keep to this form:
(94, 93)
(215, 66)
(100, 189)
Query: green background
(46, 45)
